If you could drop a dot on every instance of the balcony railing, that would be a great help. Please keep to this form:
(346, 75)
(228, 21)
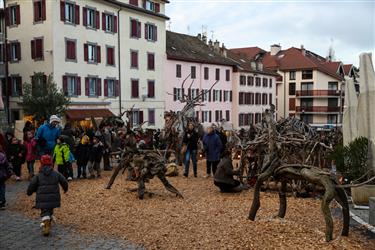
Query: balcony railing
(317, 109)
(326, 92)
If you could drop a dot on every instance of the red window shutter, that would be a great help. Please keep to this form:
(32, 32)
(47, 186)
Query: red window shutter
(151, 116)
(157, 7)
(18, 51)
(18, 15)
(134, 89)
(65, 84)
(32, 49)
(78, 79)
(134, 2)
(151, 61)
(97, 19)
(62, 11)
(144, 4)
(117, 88)
(68, 49)
(43, 10)
(139, 29)
(19, 85)
(103, 21)
(7, 16)
(115, 24)
(36, 12)
(98, 56)
(105, 87)
(134, 28)
(98, 86)
(140, 117)
(39, 48)
(76, 14)
(86, 52)
(87, 92)
(151, 89)
(146, 31)
(110, 52)
(84, 14)
(8, 51)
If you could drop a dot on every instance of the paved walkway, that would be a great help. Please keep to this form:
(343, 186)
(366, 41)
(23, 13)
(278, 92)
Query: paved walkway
(20, 232)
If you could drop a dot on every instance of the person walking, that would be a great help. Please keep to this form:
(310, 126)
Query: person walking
(82, 155)
(190, 143)
(212, 146)
(16, 156)
(47, 135)
(5, 173)
(31, 152)
(46, 186)
(107, 141)
(95, 157)
(61, 156)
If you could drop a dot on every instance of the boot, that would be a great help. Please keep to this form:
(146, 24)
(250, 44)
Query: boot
(46, 225)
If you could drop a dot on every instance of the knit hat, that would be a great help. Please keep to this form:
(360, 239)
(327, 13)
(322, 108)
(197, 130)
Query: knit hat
(54, 118)
(46, 160)
(3, 158)
(85, 139)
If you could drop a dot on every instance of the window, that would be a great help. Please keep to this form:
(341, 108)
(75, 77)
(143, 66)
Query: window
(149, 5)
(111, 56)
(39, 10)
(178, 70)
(14, 51)
(109, 23)
(109, 87)
(134, 59)
(69, 12)
(242, 80)
(258, 117)
(270, 81)
(217, 74)
(37, 49)
(292, 75)
(252, 101)
(227, 75)
(206, 95)
(332, 85)
(134, 88)
(331, 119)
(306, 103)
(92, 53)
(151, 89)
(16, 86)
(307, 74)
(70, 85)
(333, 102)
(151, 32)
(292, 88)
(135, 28)
(91, 18)
(177, 94)
(150, 61)
(258, 99)
(151, 116)
(93, 86)
(264, 99)
(13, 15)
(257, 81)
(307, 118)
(206, 73)
(307, 86)
(70, 50)
(226, 96)
(137, 117)
(250, 81)
(193, 72)
(265, 82)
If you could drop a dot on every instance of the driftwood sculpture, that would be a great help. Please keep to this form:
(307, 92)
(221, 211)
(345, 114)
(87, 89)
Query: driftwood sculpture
(282, 143)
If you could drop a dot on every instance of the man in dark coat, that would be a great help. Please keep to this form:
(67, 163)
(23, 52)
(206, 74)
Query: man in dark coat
(190, 142)
(46, 186)
(224, 176)
(212, 147)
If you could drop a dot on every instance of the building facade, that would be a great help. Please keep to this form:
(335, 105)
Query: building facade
(88, 47)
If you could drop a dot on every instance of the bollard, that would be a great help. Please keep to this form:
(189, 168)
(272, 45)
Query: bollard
(371, 218)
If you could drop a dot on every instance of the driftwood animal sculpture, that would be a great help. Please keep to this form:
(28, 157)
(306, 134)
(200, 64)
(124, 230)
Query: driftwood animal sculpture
(281, 143)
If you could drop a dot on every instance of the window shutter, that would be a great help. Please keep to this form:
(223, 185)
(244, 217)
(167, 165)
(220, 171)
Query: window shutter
(97, 19)
(76, 14)
(18, 15)
(43, 10)
(230, 96)
(65, 85)
(144, 4)
(105, 87)
(32, 49)
(140, 117)
(133, 28)
(36, 12)
(62, 11)
(98, 86)
(134, 2)
(18, 51)
(84, 14)
(221, 95)
(115, 24)
(98, 56)
(117, 88)
(151, 89)
(156, 33)
(87, 92)
(202, 116)
(139, 29)
(8, 52)
(189, 93)
(85, 52)
(39, 48)
(210, 116)
(78, 80)
(19, 85)
(157, 7)
(174, 94)
(7, 16)
(209, 95)
(146, 31)
(103, 21)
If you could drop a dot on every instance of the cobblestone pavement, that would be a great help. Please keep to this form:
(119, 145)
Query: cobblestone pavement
(20, 232)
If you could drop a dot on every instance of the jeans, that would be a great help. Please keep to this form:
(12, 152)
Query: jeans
(81, 170)
(94, 166)
(17, 170)
(2, 193)
(193, 155)
(212, 165)
(30, 167)
(46, 212)
(229, 188)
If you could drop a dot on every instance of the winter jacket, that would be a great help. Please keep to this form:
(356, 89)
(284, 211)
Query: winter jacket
(191, 140)
(31, 151)
(61, 154)
(67, 134)
(224, 172)
(212, 146)
(16, 154)
(96, 153)
(82, 154)
(48, 134)
(5, 171)
(223, 139)
(46, 186)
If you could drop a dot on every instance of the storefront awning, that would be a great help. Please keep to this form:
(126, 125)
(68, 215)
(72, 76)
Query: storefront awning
(80, 114)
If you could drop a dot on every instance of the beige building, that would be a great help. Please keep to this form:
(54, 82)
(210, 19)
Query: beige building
(78, 43)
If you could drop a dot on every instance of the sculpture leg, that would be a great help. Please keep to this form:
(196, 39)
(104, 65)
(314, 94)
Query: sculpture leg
(141, 189)
(168, 185)
(256, 201)
(343, 201)
(329, 194)
(114, 175)
(282, 198)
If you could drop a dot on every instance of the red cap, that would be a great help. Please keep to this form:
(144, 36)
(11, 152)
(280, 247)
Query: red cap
(46, 160)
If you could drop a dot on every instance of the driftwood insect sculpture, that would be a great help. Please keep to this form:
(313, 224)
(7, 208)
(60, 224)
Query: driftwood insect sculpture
(282, 144)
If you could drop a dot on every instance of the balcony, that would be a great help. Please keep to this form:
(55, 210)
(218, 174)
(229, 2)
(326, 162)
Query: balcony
(318, 93)
(317, 109)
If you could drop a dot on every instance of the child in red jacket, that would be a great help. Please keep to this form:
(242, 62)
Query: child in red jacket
(31, 152)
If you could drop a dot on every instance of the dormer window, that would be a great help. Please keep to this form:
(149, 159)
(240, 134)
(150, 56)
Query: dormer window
(151, 6)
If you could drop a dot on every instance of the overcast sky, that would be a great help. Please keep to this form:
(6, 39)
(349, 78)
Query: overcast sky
(347, 26)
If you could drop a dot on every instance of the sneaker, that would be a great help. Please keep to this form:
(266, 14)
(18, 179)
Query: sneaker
(185, 175)
(70, 178)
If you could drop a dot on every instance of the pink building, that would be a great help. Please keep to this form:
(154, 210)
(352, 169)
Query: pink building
(202, 65)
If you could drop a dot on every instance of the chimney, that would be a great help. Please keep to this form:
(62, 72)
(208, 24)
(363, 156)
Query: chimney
(275, 48)
(199, 36)
(210, 43)
(223, 50)
(217, 46)
(303, 50)
(204, 39)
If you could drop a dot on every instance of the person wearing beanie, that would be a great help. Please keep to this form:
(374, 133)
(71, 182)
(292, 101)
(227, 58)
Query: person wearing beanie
(82, 155)
(61, 156)
(95, 157)
(5, 173)
(46, 186)
(47, 134)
